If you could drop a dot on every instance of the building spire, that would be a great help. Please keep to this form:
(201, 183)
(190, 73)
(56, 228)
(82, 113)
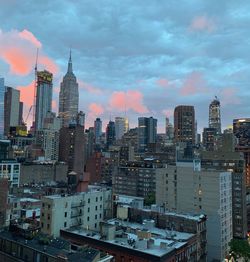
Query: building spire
(70, 70)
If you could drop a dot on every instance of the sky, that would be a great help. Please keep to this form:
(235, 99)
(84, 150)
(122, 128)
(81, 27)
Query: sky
(133, 57)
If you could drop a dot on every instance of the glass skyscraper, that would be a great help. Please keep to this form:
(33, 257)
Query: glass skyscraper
(43, 97)
(2, 91)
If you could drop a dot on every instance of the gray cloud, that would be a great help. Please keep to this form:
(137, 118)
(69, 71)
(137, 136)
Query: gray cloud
(128, 45)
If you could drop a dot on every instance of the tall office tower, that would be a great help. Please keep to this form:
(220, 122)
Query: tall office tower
(20, 113)
(43, 97)
(48, 137)
(120, 127)
(98, 130)
(214, 115)
(147, 132)
(209, 138)
(184, 124)
(110, 133)
(71, 147)
(80, 119)
(69, 96)
(2, 91)
(11, 108)
(90, 141)
(126, 125)
(241, 129)
(169, 129)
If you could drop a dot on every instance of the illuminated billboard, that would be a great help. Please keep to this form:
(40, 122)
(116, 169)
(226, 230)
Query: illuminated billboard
(44, 76)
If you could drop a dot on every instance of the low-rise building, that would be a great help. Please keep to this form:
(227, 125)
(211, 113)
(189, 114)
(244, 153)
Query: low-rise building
(11, 169)
(137, 242)
(85, 209)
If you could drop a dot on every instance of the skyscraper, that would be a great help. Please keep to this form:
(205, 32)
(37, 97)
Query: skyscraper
(241, 129)
(72, 147)
(169, 129)
(184, 124)
(11, 108)
(147, 131)
(69, 96)
(98, 130)
(110, 133)
(2, 90)
(120, 127)
(43, 97)
(214, 115)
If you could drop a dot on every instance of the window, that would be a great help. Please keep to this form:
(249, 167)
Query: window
(89, 200)
(65, 214)
(100, 198)
(95, 207)
(42, 224)
(95, 216)
(95, 225)
(96, 199)
(43, 204)
(65, 224)
(100, 206)
(88, 209)
(48, 216)
(48, 225)
(48, 206)
(100, 215)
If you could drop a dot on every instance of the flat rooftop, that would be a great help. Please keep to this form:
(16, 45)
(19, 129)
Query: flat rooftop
(162, 241)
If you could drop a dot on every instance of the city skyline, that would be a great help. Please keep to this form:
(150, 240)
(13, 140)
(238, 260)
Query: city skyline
(153, 56)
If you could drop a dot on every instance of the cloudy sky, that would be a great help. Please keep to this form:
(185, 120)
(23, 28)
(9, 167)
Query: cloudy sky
(142, 56)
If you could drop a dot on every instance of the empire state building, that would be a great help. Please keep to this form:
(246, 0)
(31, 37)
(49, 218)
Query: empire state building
(69, 96)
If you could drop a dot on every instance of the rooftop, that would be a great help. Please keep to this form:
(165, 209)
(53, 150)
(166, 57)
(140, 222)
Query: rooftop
(54, 247)
(161, 242)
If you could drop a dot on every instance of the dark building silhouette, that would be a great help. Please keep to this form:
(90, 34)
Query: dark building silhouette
(71, 147)
(184, 124)
(214, 115)
(147, 132)
(110, 133)
(241, 129)
(12, 110)
(209, 138)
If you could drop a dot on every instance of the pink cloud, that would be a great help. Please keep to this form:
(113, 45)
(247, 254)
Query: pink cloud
(25, 34)
(18, 50)
(54, 105)
(132, 99)
(229, 96)
(96, 109)
(168, 112)
(193, 84)
(203, 23)
(162, 82)
(89, 88)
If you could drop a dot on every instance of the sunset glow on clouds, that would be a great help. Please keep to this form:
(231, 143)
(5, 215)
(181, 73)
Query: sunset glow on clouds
(145, 63)
(18, 50)
(203, 23)
(130, 100)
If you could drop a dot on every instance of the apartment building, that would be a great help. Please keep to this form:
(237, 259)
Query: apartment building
(85, 209)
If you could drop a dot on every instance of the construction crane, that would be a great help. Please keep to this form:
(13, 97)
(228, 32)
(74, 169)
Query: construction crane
(28, 114)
